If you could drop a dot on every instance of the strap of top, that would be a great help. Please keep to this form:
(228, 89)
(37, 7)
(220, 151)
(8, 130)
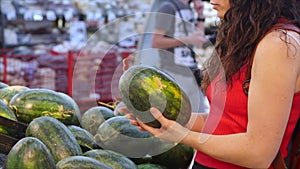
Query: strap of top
(281, 26)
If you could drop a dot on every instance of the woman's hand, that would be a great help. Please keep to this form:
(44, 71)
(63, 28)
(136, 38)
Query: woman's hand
(169, 130)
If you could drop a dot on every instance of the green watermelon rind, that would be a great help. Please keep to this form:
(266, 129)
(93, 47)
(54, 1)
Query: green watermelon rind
(33, 103)
(7, 93)
(81, 162)
(29, 152)
(94, 117)
(112, 158)
(6, 112)
(55, 135)
(3, 85)
(83, 137)
(151, 166)
(115, 131)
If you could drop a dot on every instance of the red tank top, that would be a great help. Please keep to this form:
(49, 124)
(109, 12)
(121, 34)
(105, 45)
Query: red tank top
(228, 115)
(234, 118)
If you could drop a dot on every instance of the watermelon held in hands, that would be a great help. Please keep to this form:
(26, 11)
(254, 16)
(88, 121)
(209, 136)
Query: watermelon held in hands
(142, 87)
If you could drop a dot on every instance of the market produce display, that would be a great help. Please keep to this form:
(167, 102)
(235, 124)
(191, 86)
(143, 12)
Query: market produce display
(41, 49)
(50, 143)
(142, 87)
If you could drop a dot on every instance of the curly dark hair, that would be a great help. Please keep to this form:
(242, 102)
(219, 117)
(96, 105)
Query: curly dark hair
(240, 30)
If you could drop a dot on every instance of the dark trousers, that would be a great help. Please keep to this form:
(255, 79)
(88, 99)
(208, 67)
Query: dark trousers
(199, 166)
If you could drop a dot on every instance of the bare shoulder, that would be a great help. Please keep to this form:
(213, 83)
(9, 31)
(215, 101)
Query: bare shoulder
(281, 48)
(282, 43)
(283, 36)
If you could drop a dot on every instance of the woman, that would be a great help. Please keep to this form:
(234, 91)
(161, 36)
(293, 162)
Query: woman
(249, 120)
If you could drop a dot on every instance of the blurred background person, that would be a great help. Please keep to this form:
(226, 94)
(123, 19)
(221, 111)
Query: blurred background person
(178, 29)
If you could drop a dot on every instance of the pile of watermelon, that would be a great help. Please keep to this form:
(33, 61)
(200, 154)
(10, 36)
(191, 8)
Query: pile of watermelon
(59, 136)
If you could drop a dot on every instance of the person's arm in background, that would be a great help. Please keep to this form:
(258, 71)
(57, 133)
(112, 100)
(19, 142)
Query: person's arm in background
(161, 41)
(199, 8)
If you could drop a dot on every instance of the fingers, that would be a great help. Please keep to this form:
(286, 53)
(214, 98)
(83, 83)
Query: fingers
(145, 127)
(130, 116)
(133, 121)
(158, 115)
(169, 130)
(141, 125)
(124, 110)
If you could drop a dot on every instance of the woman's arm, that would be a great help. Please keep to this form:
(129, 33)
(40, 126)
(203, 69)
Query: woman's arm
(275, 72)
(196, 122)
